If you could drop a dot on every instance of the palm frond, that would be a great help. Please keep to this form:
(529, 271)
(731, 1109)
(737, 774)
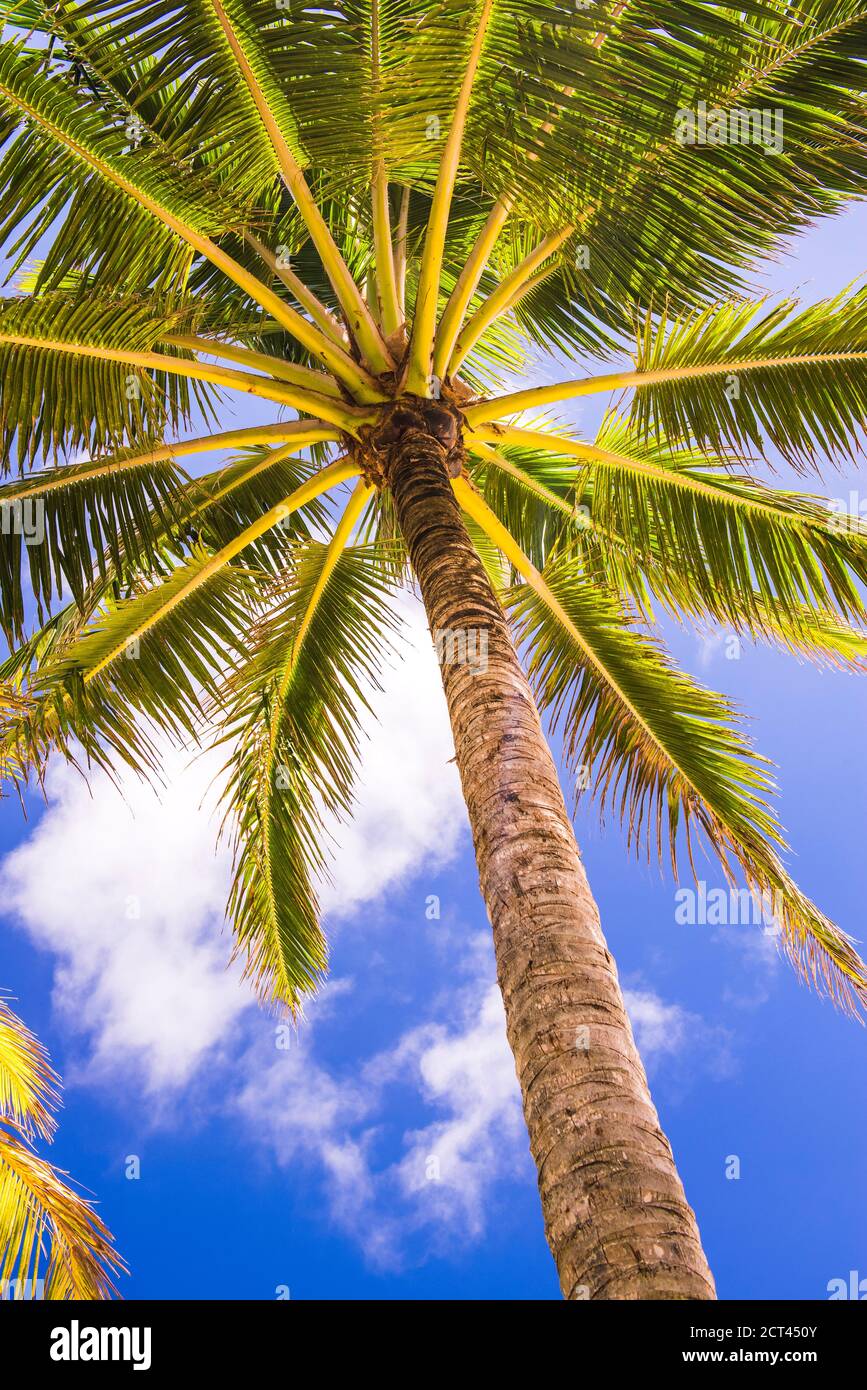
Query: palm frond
(155, 655)
(664, 750)
(52, 1243)
(59, 142)
(52, 404)
(90, 334)
(821, 637)
(545, 503)
(732, 377)
(294, 713)
(160, 653)
(718, 533)
(507, 293)
(28, 1086)
(38, 1210)
(145, 195)
(748, 376)
(72, 520)
(744, 538)
(801, 69)
(533, 493)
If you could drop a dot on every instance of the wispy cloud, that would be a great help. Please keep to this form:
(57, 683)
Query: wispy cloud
(667, 1032)
(127, 889)
(381, 1184)
(467, 1073)
(128, 894)
(410, 813)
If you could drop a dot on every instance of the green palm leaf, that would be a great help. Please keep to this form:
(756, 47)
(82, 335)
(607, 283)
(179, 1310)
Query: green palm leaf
(803, 63)
(52, 1243)
(162, 652)
(810, 400)
(52, 403)
(60, 146)
(62, 518)
(155, 656)
(667, 754)
(38, 1210)
(294, 717)
(720, 534)
(544, 502)
(28, 1086)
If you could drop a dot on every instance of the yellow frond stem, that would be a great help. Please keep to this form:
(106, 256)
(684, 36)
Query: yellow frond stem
(339, 363)
(497, 460)
(305, 297)
(322, 481)
(400, 250)
(455, 311)
(255, 468)
(340, 538)
(427, 297)
(259, 362)
(45, 480)
(301, 432)
(386, 282)
(505, 296)
(344, 416)
(390, 315)
(500, 407)
(363, 327)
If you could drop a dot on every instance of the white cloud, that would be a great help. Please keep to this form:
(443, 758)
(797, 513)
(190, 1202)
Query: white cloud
(761, 957)
(436, 1180)
(292, 1101)
(307, 1117)
(410, 813)
(659, 1028)
(129, 892)
(669, 1033)
(469, 1073)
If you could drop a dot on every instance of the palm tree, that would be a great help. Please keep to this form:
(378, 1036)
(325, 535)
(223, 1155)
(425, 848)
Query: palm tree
(52, 1243)
(372, 215)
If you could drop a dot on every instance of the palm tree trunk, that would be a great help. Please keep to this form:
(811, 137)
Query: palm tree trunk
(616, 1216)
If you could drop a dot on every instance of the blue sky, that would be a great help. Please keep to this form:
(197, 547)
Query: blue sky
(379, 1151)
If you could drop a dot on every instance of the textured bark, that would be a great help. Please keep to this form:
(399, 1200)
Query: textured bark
(616, 1216)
